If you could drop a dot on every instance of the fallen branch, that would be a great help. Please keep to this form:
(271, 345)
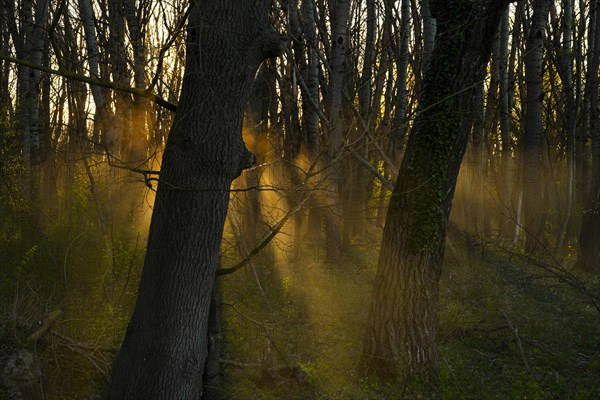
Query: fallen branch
(50, 320)
(515, 332)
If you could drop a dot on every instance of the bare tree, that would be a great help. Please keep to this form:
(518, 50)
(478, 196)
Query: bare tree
(165, 347)
(533, 132)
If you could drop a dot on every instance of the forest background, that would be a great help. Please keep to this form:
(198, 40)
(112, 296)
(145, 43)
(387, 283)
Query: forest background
(89, 91)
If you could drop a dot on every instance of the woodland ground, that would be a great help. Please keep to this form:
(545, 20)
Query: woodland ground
(509, 328)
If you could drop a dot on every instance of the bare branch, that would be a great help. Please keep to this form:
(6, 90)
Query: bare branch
(94, 81)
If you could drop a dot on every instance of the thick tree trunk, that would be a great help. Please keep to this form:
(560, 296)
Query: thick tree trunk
(533, 132)
(400, 330)
(165, 348)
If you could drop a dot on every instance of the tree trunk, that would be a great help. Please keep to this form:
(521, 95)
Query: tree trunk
(399, 122)
(138, 144)
(28, 40)
(429, 28)
(101, 116)
(533, 133)
(504, 174)
(356, 213)
(165, 348)
(339, 49)
(566, 73)
(400, 330)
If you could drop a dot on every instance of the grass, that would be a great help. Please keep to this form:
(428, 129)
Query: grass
(508, 329)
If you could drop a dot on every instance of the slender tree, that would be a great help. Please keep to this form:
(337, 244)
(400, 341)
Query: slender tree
(339, 49)
(505, 175)
(533, 132)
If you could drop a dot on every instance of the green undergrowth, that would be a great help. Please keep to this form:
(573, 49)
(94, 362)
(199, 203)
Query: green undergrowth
(508, 329)
(53, 259)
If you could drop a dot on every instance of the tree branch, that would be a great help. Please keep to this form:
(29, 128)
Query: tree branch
(94, 81)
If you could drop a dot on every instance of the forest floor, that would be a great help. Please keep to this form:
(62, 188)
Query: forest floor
(510, 327)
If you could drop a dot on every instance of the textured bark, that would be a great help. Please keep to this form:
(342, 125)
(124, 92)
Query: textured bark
(533, 132)
(165, 348)
(399, 339)
(211, 376)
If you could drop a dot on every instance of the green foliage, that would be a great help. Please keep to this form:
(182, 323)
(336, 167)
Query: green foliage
(526, 388)
(53, 257)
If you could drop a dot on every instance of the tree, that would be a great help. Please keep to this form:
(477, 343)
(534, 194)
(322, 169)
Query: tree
(164, 350)
(339, 49)
(28, 40)
(504, 178)
(533, 132)
(400, 330)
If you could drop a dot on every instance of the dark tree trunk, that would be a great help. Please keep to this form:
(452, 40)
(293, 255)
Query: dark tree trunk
(400, 330)
(532, 165)
(165, 348)
(339, 53)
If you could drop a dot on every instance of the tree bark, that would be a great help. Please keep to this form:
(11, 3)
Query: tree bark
(138, 144)
(533, 133)
(504, 175)
(565, 70)
(165, 348)
(28, 40)
(339, 48)
(399, 340)
(101, 116)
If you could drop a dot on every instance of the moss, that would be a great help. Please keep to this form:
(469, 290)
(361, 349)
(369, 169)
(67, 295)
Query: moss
(437, 128)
